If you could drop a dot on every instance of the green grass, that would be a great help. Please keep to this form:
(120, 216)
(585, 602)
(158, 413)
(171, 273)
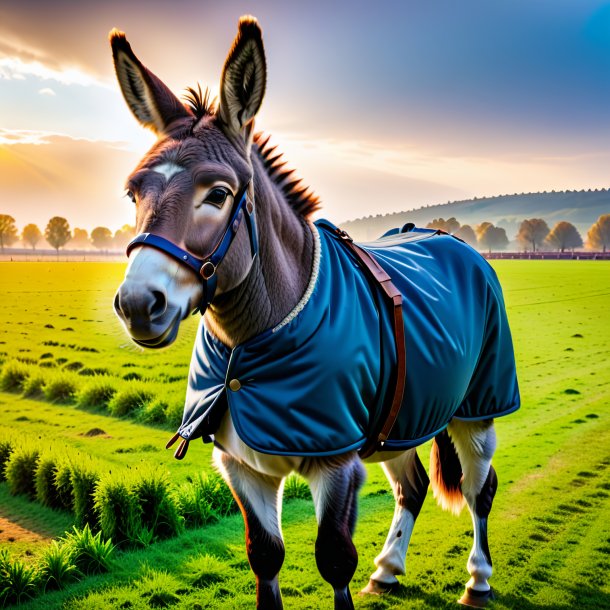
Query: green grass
(549, 528)
(114, 442)
(64, 335)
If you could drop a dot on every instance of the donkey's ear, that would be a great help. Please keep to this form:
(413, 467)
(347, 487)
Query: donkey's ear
(152, 103)
(244, 76)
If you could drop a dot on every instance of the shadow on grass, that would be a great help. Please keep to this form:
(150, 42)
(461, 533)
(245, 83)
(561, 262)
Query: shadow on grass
(415, 592)
(583, 598)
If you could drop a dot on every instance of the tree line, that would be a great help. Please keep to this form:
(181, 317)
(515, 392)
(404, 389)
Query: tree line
(58, 233)
(533, 234)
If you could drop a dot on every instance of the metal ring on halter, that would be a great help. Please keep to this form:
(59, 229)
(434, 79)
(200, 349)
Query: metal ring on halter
(208, 269)
(205, 268)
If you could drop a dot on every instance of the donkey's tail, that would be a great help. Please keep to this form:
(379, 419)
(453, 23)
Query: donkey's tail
(446, 474)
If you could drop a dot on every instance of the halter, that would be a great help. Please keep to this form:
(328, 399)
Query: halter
(205, 268)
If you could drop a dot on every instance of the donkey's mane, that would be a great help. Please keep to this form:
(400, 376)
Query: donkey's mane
(200, 103)
(299, 196)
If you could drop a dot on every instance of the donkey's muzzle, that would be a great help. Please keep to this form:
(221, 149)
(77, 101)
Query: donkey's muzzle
(146, 314)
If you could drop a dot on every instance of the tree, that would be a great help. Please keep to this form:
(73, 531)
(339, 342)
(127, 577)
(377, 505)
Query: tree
(101, 238)
(8, 231)
(451, 225)
(466, 233)
(57, 232)
(480, 229)
(532, 232)
(31, 235)
(598, 236)
(123, 236)
(564, 236)
(80, 238)
(493, 238)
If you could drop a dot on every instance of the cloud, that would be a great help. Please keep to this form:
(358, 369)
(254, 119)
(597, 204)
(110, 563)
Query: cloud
(16, 68)
(10, 137)
(47, 91)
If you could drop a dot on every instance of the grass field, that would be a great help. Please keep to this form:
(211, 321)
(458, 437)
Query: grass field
(549, 528)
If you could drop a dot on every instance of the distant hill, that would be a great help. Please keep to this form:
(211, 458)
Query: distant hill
(582, 208)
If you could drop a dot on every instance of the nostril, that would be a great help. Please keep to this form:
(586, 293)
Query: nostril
(158, 305)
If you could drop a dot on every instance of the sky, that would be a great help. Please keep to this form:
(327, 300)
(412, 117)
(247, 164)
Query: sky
(380, 107)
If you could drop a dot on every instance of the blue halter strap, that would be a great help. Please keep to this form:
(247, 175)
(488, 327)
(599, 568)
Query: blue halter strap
(205, 268)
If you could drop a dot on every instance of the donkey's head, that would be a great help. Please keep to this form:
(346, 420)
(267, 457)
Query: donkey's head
(191, 191)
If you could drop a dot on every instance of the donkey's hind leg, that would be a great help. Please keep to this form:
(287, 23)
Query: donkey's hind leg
(258, 497)
(334, 484)
(409, 482)
(475, 443)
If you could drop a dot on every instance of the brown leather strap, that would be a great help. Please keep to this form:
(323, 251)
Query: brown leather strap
(172, 440)
(394, 299)
(182, 447)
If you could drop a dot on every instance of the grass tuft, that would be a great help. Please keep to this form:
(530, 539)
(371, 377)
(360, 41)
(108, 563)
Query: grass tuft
(157, 507)
(91, 554)
(206, 570)
(60, 388)
(205, 500)
(33, 386)
(63, 485)
(154, 412)
(20, 471)
(129, 400)
(6, 448)
(159, 588)
(83, 479)
(57, 567)
(74, 366)
(296, 487)
(96, 393)
(13, 376)
(44, 478)
(18, 582)
(116, 510)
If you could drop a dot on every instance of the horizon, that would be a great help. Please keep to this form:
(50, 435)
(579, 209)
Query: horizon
(364, 217)
(432, 105)
(367, 228)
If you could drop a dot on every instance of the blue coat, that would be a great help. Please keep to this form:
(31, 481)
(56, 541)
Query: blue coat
(316, 385)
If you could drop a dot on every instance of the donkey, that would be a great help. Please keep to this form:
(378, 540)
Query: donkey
(226, 230)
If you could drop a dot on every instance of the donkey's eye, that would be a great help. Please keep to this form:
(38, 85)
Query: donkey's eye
(131, 196)
(217, 196)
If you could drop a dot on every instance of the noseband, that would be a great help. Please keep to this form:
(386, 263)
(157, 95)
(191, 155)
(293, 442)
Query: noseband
(205, 268)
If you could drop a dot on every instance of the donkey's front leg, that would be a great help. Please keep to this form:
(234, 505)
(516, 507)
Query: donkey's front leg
(334, 486)
(258, 498)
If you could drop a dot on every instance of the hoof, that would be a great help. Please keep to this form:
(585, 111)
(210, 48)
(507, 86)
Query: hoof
(476, 599)
(379, 588)
(343, 599)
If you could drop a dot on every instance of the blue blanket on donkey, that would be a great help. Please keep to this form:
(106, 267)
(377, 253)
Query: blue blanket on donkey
(315, 385)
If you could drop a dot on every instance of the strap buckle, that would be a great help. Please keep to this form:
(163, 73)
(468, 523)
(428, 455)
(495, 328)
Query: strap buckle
(208, 269)
(344, 235)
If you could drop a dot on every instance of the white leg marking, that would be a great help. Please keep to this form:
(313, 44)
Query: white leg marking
(478, 567)
(391, 560)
